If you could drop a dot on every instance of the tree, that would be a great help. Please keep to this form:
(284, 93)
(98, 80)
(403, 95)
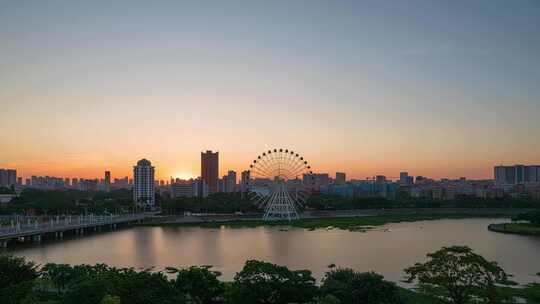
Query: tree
(352, 287)
(16, 278)
(130, 286)
(64, 275)
(261, 282)
(456, 274)
(15, 270)
(328, 299)
(5, 190)
(108, 299)
(199, 282)
(83, 284)
(532, 216)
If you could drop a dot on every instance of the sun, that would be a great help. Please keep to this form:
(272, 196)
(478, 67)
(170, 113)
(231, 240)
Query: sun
(184, 175)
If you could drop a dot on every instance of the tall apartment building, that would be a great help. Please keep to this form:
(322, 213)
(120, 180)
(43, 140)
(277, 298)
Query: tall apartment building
(8, 177)
(107, 181)
(231, 182)
(405, 179)
(143, 184)
(3, 178)
(340, 178)
(244, 181)
(210, 169)
(517, 174)
(200, 188)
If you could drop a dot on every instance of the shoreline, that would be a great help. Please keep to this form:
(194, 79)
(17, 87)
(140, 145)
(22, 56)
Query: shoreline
(352, 220)
(516, 228)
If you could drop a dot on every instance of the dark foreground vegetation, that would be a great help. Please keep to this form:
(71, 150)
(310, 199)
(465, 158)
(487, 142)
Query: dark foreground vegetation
(451, 275)
(51, 202)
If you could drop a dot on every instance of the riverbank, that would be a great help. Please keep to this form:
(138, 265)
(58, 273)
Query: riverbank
(516, 228)
(357, 220)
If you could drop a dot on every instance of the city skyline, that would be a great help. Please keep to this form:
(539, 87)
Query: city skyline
(186, 173)
(442, 90)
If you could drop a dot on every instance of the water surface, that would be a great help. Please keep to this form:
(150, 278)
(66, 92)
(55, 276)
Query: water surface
(386, 249)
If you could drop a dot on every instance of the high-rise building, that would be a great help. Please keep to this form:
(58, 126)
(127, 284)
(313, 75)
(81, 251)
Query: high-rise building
(340, 178)
(121, 183)
(183, 188)
(143, 187)
(231, 182)
(222, 184)
(210, 169)
(244, 181)
(75, 183)
(316, 180)
(405, 179)
(107, 181)
(517, 174)
(12, 177)
(3, 178)
(8, 177)
(200, 188)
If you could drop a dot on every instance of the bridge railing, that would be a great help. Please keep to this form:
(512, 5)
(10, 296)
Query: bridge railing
(36, 224)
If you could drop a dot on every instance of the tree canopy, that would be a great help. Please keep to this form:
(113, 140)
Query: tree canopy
(452, 275)
(457, 274)
(69, 201)
(532, 216)
(262, 282)
(351, 287)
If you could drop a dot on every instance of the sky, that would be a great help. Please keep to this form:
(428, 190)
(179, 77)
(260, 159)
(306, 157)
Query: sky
(435, 88)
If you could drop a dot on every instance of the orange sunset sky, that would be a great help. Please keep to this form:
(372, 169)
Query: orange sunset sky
(360, 87)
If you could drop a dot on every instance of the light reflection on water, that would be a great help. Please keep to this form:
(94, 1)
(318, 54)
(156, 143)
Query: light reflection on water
(387, 249)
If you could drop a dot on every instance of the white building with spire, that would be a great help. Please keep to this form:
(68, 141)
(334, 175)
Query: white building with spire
(143, 184)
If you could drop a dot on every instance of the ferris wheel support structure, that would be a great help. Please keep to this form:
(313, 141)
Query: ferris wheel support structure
(279, 183)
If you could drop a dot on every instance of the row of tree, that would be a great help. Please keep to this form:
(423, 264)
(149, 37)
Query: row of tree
(230, 203)
(77, 202)
(7, 190)
(68, 202)
(532, 217)
(215, 203)
(331, 202)
(451, 275)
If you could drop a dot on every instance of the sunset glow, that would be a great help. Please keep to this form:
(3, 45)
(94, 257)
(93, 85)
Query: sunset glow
(87, 87)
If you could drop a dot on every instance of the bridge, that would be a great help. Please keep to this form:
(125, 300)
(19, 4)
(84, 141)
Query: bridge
(32, 228)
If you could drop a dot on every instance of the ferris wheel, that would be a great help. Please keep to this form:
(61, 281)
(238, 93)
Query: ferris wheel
(279, 182)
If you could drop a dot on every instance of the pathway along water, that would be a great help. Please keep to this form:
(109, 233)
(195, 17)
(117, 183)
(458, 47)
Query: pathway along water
(386, 249)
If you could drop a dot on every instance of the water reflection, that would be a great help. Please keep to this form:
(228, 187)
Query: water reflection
(386, 249)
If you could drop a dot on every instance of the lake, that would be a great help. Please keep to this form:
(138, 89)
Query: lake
(386, 249)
